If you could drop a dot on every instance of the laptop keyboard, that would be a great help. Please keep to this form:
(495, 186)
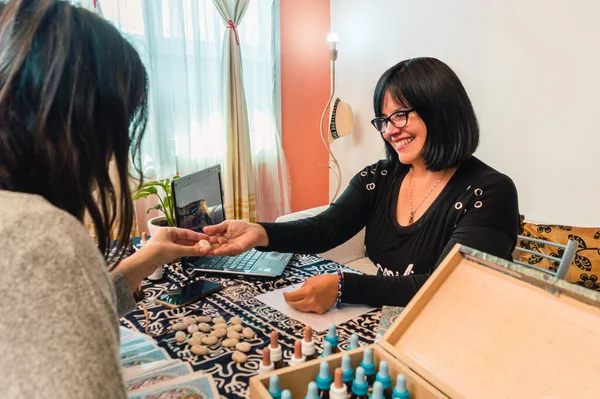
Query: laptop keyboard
(242, 262)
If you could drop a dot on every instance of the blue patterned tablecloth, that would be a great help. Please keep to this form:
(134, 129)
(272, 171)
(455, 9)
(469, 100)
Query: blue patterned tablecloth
(239, 299)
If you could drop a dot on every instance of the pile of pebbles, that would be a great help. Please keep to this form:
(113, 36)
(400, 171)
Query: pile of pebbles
(202, 337)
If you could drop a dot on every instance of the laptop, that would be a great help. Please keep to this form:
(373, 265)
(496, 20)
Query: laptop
(198, 200)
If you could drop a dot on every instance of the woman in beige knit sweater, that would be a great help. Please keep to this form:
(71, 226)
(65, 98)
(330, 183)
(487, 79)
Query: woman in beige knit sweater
(73, 97)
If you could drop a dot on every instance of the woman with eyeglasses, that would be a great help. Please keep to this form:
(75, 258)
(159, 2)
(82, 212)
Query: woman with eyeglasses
(73, 98)
(427, 195)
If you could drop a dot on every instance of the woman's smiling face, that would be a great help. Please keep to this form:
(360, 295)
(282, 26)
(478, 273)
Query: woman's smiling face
(408, 141)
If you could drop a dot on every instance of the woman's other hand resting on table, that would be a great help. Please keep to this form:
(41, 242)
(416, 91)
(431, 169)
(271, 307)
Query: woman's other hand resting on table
(167, 244)
(317, 295)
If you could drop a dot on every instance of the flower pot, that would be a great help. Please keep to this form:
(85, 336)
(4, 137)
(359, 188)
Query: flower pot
(156, 223)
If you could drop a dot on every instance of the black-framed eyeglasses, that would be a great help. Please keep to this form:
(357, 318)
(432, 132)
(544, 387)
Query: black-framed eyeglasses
(399, 119)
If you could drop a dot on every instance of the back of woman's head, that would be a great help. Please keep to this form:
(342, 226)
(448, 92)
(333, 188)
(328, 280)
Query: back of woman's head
(433, 90)
(73, 97)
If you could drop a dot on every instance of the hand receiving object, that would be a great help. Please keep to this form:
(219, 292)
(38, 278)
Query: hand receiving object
(318, 294)
(170, 243)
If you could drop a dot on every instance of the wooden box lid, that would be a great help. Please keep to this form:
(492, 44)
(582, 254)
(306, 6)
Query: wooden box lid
(482, 327)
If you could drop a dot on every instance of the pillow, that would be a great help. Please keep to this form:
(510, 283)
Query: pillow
(585, 270)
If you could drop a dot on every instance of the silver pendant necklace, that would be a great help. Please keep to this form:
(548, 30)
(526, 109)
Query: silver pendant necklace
(412, 213)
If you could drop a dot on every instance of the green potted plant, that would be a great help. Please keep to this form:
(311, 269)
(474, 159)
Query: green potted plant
(162, 190)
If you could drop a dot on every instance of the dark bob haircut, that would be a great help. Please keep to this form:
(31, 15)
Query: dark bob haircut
(73, 99)
(434, 91)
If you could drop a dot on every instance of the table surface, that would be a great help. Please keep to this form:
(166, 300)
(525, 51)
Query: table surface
(238, 298)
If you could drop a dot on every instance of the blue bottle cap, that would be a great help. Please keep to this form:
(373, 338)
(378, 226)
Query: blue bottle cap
(360, 387)
(400, 391)
(324, 379)
(332, 337)
(274, 388)
(347, 373)
(353, 342)
(377, 391)
(383, 375)
(312, 392)
(367, 362)
(326, 349)
(286, 394)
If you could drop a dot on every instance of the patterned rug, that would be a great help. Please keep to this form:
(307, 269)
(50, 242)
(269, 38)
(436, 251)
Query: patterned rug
(238, 299)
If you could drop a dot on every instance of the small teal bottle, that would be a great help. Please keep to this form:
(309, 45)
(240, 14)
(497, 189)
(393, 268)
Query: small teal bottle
(333, 339)
(347, 372)
(286, 394)
(326, 349)
(377, 391)
(353, 342)
(360, 387)
(324, 380)
(368, 365)
(274, 388)
(400, 391)
(312, 392)
(383, 376)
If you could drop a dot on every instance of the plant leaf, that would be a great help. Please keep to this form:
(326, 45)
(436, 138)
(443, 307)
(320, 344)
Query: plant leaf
(149, 184)
(157, 207)
(142, 194)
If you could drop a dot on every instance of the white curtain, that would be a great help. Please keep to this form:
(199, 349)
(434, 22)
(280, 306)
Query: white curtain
(240, 198)
(181, 43)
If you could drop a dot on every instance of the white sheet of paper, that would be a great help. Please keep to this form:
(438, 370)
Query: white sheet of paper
(318, 323)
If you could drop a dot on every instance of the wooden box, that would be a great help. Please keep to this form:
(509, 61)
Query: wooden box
(482, 327)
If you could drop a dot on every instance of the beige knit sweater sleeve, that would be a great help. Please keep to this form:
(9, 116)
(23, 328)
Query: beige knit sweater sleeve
(59, 335)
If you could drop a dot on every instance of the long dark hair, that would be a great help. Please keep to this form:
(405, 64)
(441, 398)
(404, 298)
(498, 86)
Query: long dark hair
(73, 98)
(434, 91)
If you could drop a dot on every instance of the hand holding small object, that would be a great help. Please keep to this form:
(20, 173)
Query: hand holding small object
(233, 237)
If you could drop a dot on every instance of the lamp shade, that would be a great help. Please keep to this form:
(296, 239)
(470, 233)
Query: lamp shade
(341, 120)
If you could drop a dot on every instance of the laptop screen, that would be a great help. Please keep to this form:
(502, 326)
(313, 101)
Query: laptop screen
(198, 199)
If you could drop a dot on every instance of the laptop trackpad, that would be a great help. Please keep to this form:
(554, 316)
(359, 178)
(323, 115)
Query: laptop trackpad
(273, 256)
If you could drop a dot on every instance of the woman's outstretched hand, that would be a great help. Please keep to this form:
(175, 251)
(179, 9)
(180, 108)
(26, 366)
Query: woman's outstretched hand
(167, 244)
(234, 237)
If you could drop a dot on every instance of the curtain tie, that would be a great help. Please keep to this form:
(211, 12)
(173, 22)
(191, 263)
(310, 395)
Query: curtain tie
(231, 25)
(95, 3)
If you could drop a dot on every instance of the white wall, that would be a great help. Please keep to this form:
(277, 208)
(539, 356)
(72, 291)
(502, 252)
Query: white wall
(531, 68)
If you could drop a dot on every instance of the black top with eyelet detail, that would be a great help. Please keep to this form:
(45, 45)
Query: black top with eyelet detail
(478, 208)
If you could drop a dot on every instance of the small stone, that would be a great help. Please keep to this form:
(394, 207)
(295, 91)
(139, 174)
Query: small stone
(237, 328)
(203, 319)
(194, 341)
(219, 326)
(220, 333)
(204, 244)
(230, 343)
(234, 335)
(219, 320)
(209, 341)
(248, 333)
(239, 357)
(235, 320)
(200, 350)
(243, 347)
(180, 336)
(204, 327)
(192, 328)
(198, 335)
(189, 320)
(179, 327)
